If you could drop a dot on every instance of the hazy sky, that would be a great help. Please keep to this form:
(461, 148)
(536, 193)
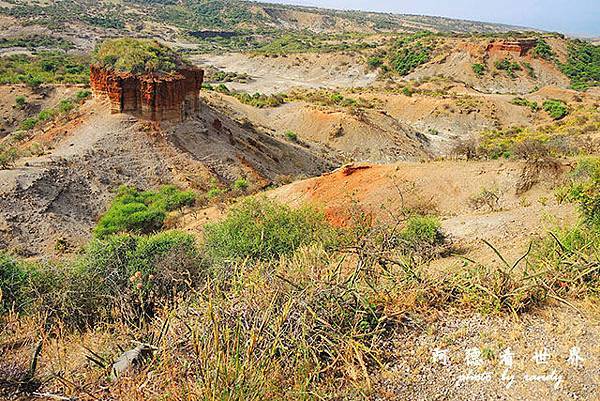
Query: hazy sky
(578, 17)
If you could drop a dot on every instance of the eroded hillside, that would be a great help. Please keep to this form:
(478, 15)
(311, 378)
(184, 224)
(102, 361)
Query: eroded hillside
(242, 200)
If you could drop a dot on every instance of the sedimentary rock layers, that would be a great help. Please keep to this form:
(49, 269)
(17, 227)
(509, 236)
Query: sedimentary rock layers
(151, 96)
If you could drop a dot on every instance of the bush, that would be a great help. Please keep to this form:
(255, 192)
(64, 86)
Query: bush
(582, 65)
(8, 155)
(478, 69)
(421, 234)
(20, 101)
(241, 184)
(291, 135)
(138, 272)
(122, 277)
(375, 62)
(141, 212)
(542, 50)
(65, 106)
(519, 101)
(14, 277)
(509, 66)
(44, 68)
(28, 123)
(82, 94)
(584, 190)
(137, 56)
(258, 228)
(557, 109)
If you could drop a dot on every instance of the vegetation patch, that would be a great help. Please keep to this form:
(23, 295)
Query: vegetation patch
(478, 69)
(313, 43)
(543, 50)
(142, 212)
(582, 65)
(509, 66)
(64, 107)
(257, 99)
(409, 52)
(520, 101)
(556, 109)
(124, 273)
(34, 42)
(137, 56)
(44, 68)
(258, 228)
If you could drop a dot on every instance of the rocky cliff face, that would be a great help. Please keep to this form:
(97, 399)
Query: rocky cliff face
(150, 96)
(519, 46)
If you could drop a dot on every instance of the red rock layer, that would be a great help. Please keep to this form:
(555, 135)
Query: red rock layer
(150, 96)
(519, 46)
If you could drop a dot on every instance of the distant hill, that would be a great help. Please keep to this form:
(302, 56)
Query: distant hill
(231, 15)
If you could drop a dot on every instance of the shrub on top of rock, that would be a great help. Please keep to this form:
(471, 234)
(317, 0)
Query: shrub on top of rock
(137, 56)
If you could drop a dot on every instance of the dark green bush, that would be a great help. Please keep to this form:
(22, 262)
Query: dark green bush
(121, 277)
(557, 109)
(44, 68)
(259, 228)
(291, 135)
(410, 51)
(375, 62)
(141, 212)
(20, 101)
(14, 278)
(519, 101)
(509, 66)
(478, 69)
(582, 65)
(542, 50)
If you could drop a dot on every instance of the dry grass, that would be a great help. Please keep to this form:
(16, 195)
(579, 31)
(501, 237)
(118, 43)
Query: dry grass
(308, 324)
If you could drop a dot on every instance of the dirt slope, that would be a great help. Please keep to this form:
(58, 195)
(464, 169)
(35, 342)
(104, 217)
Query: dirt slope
(62, 193)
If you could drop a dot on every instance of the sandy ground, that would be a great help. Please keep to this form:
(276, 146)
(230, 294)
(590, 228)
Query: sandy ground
(274, 75)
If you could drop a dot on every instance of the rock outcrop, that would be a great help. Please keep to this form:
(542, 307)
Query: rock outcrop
(518, 46)
(154, 97)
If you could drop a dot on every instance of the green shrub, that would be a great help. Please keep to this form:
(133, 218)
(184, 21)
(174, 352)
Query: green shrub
(519, 101)
(20, 101)
(241, 184)
(557, 109)
(584, 190)
(259, 228)
(509, 66)
(46, 115)
(291, 135)
(542, 50)
(375, 62)
(44, 68)
(529, 69)
(478, 69)
(82, 94)
(582, 65)
(258, 100)
(138, 272)
(14, 278)
(65, 106)
(410, 52)
(141, 212)
(28, 123)
(422, 231)
(121, 277)
(8, 155)
(137, 56)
